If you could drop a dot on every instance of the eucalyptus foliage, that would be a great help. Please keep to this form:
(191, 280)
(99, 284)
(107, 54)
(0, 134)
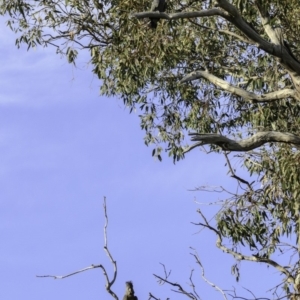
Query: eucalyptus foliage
(228, 70)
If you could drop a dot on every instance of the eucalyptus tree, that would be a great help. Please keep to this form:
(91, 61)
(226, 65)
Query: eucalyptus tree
(223, 72)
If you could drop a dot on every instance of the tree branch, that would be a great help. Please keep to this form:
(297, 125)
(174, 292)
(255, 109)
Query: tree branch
(71, 274)
(152, 297)
(249, 96)
(228, 32)
(255, 141)
(181, 15)
(181, 290)
(232, 15)
(109, 283)
(276, 37)
(240, 256)
(271, 33)
(233, 174)
(271, 48)
(203, 275)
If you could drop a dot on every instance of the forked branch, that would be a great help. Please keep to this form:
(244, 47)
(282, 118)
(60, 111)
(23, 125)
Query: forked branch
(196, 256)
(180, 289)
(230, 13)
(109, 282)
(241, 256)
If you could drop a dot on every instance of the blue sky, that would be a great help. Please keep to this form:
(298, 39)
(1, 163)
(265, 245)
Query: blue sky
(63, 147)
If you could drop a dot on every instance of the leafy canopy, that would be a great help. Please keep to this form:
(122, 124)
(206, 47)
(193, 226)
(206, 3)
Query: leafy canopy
(229, 70)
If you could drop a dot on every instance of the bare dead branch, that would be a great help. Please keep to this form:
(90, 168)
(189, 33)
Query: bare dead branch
(152, 297)
(109, 282)
(196, 256)
(180, 289)
(166, 273)
(193, 285)
(235, 296)
(71, 274)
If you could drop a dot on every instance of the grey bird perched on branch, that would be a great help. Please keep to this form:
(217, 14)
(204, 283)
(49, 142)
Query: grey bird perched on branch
(157, 5)
(129, 293)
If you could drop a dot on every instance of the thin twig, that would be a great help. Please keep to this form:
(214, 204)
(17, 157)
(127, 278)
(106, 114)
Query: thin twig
(71, 274)
(180, 290)
(152, 297)
(193, 285)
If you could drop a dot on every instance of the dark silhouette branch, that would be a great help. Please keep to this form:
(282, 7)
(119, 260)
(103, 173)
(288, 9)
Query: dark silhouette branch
(180, 289)
(233, 174)
(152, 297)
